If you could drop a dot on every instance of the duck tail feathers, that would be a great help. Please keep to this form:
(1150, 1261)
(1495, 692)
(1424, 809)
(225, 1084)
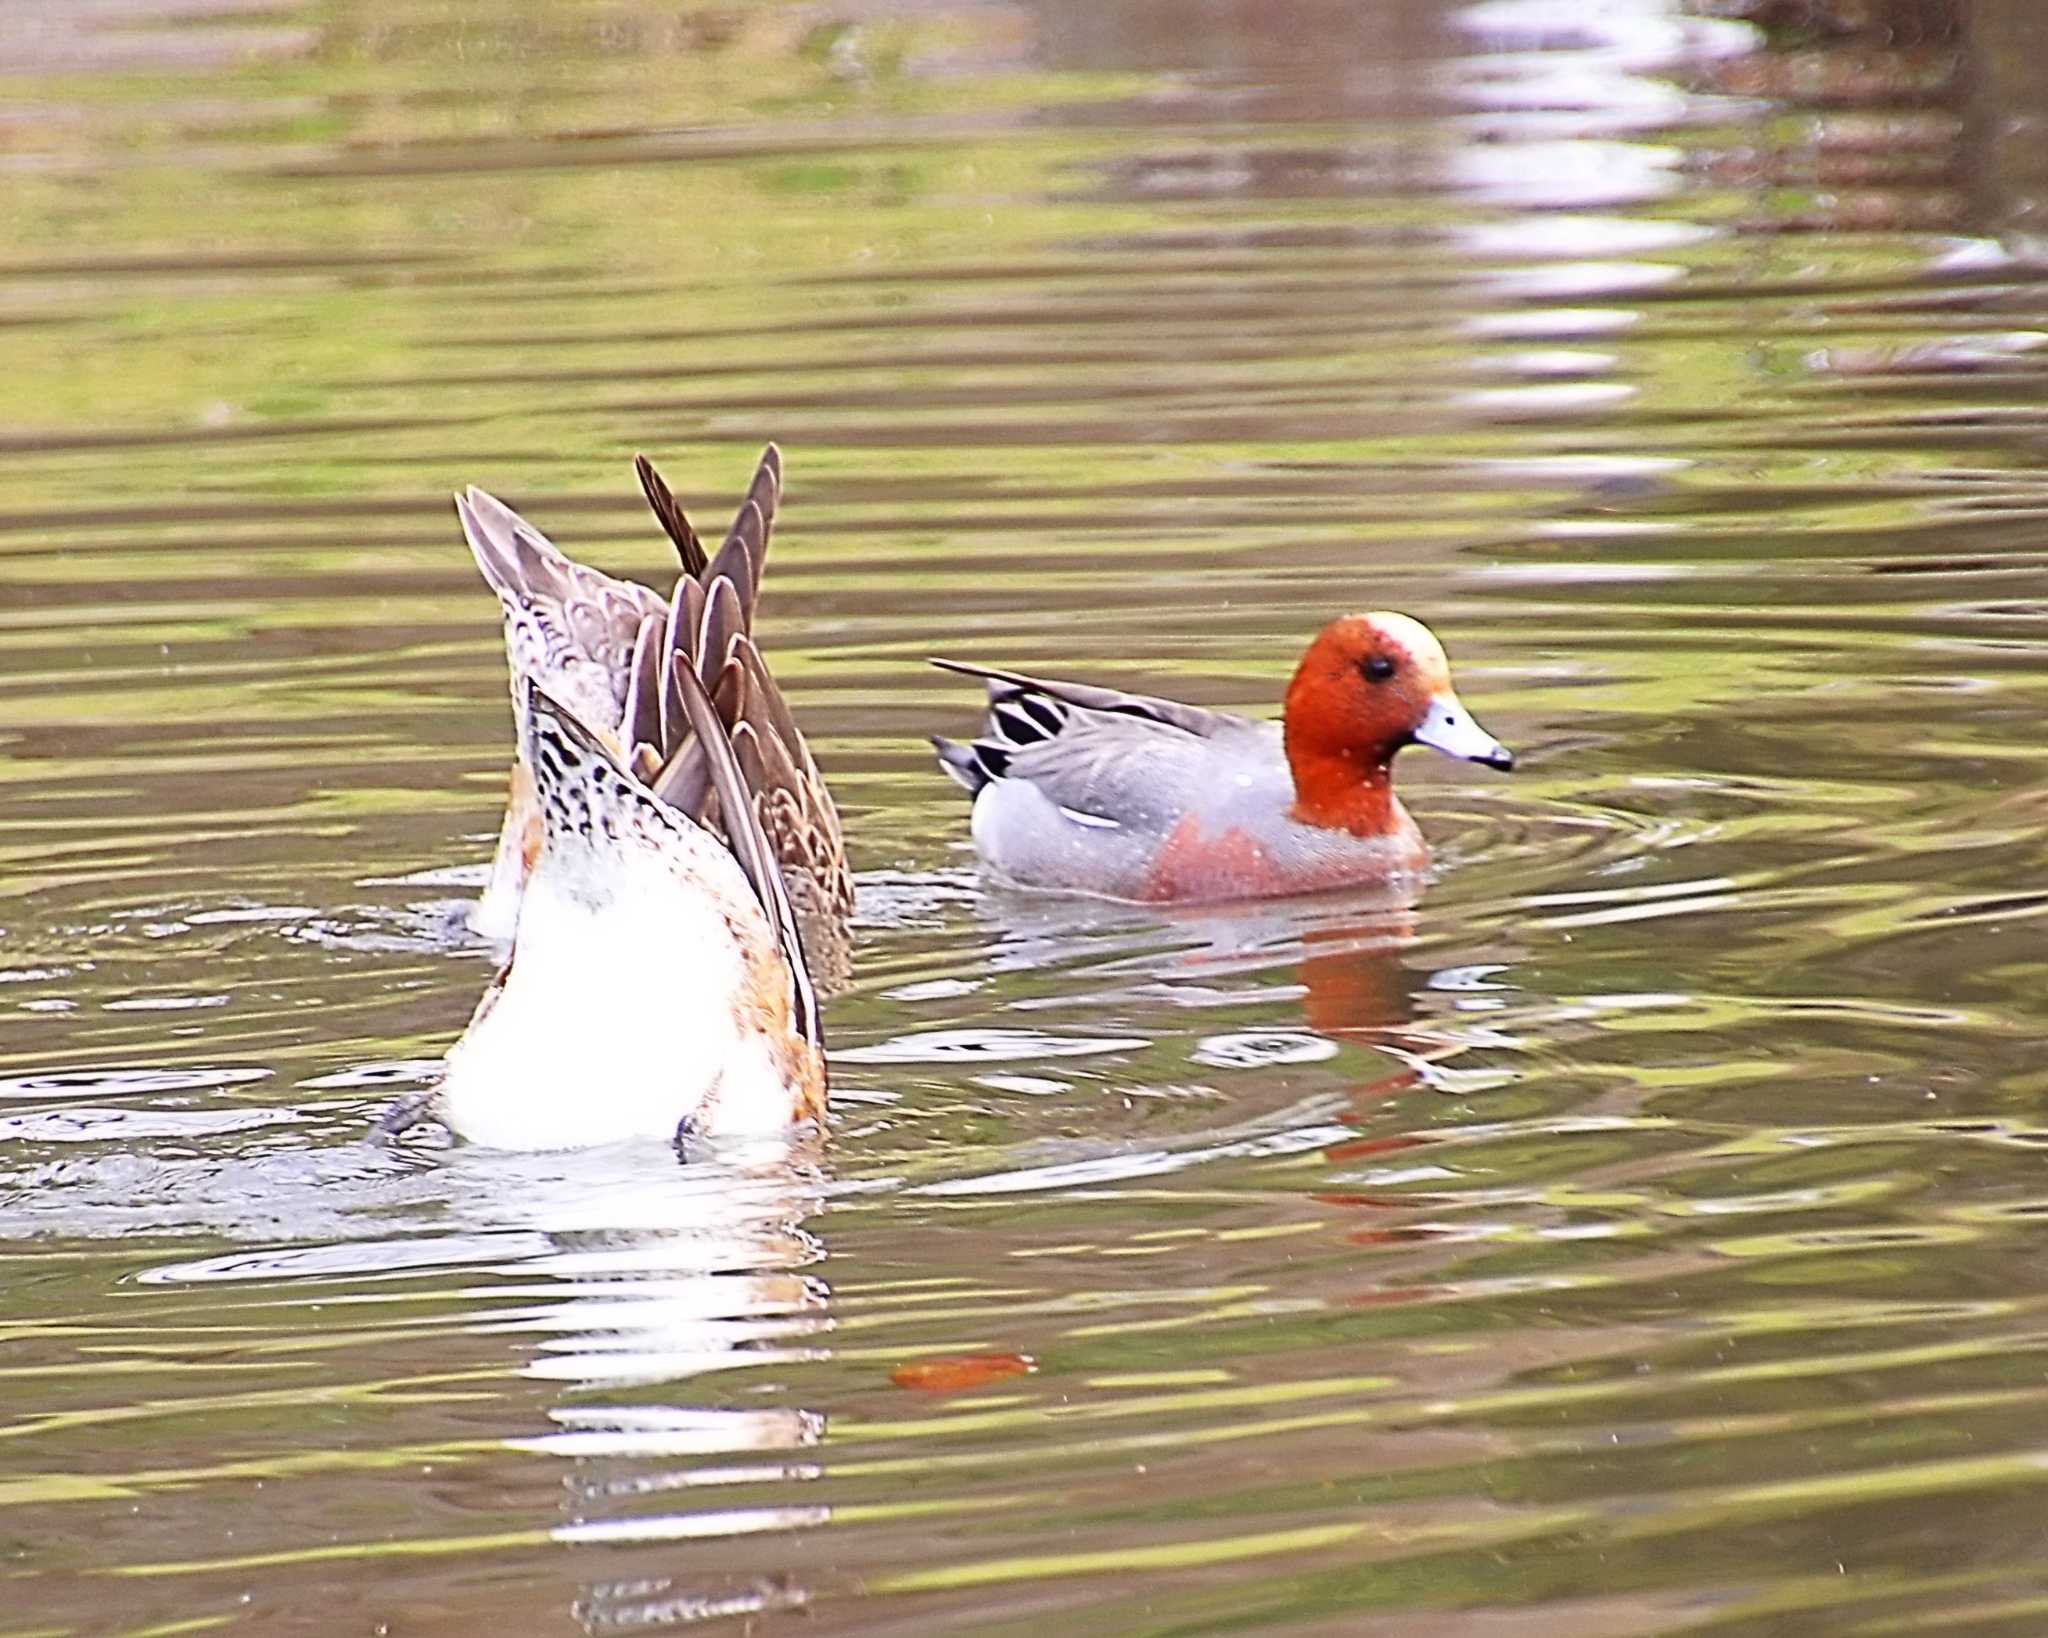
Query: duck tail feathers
(674, 523)
(971, 766)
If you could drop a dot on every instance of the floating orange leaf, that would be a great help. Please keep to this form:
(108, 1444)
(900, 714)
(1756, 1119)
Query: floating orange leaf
(1357, 1148)
(961, 1371)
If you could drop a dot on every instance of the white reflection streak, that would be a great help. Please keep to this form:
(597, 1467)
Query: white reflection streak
(1560, 93)
(1127, 1166)
(666, 1273)
(665, 1430)
(747, 1521)
(695, 1271)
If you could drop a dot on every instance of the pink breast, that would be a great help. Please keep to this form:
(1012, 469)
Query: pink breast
(1194, 864)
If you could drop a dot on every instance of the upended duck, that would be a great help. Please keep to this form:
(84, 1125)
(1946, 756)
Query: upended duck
(1124, 796)
(595, 644)
(656, 986)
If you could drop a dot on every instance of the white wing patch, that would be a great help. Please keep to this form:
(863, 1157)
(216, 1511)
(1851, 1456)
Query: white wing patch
(1094, 821)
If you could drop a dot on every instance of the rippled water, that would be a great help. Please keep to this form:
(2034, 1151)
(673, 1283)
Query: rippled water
(1637, 1231)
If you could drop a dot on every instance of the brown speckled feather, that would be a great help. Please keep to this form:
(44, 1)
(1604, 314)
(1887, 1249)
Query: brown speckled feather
(569, 628)
(756, 857)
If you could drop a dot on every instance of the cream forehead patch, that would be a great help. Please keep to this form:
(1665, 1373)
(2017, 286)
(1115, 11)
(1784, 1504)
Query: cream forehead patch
(1416, 640)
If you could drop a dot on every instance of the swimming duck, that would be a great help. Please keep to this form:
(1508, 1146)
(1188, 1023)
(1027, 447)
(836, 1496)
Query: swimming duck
(1091, 790)
(656, 985)
(593, 644)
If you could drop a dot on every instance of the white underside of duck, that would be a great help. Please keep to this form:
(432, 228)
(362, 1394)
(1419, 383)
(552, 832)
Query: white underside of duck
(495, 915)
(615, 1021)
(651, 991)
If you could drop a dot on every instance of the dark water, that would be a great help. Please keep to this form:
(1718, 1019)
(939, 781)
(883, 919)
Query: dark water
(1643, 1230)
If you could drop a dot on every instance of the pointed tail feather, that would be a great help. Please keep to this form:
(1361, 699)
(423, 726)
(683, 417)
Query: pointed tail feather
(970, 766)
(493, 560)
(744, 551)
(516, 558)
(669, 514)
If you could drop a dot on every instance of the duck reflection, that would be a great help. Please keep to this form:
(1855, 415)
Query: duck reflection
(1364, 967)
(1352, 976)
(1343, 947)
(645, 1279)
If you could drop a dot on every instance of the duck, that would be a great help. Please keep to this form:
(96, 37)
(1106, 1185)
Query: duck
(656, 985)
(592, 642)
(1090, 790)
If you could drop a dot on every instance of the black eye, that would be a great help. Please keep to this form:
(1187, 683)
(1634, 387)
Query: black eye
(1378, 669)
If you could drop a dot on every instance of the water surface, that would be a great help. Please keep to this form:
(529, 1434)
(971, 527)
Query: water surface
(1637, 1230)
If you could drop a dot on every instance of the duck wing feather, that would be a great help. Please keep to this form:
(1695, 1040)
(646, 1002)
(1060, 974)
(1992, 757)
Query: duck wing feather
(571, 628)
(749, 843)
